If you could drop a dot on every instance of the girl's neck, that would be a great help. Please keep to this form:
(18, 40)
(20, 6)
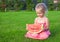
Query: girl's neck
(42, 17)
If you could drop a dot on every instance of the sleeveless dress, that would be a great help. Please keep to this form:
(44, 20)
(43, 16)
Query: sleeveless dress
(41, 35)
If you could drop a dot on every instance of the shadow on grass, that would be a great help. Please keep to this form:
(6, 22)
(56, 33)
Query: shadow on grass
(55, 31)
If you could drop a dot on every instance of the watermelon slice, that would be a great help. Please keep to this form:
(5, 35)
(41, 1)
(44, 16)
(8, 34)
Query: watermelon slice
(34, 28)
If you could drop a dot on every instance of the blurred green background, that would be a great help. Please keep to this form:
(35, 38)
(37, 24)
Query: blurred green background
(17, 5)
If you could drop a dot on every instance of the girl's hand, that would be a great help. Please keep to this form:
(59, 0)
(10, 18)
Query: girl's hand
(26, 27)
(45, 27)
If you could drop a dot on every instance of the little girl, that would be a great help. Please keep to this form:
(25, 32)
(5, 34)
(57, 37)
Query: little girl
(41, 19)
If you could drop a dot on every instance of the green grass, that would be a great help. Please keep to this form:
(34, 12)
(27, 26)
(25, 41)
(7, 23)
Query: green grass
(13, 24)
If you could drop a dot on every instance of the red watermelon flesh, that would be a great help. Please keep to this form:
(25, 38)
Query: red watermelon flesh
(35, 27)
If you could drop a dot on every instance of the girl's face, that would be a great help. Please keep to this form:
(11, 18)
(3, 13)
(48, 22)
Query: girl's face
(40, 12)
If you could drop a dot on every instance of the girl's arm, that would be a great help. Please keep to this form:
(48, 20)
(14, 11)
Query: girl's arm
(47, 24)
(35, 21)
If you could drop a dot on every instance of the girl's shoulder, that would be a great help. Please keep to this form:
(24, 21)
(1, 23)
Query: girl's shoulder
(36, 17)
(45, 18)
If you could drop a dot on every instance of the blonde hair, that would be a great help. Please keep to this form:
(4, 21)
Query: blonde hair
(41, 5)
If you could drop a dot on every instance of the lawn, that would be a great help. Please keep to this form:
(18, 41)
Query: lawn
(13, 26)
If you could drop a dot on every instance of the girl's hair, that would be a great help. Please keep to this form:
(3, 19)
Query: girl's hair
(41, 5)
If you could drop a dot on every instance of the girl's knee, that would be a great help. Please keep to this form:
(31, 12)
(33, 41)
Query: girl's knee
(45, 37)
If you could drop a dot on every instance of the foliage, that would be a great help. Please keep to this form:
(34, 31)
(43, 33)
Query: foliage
(23, 5)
